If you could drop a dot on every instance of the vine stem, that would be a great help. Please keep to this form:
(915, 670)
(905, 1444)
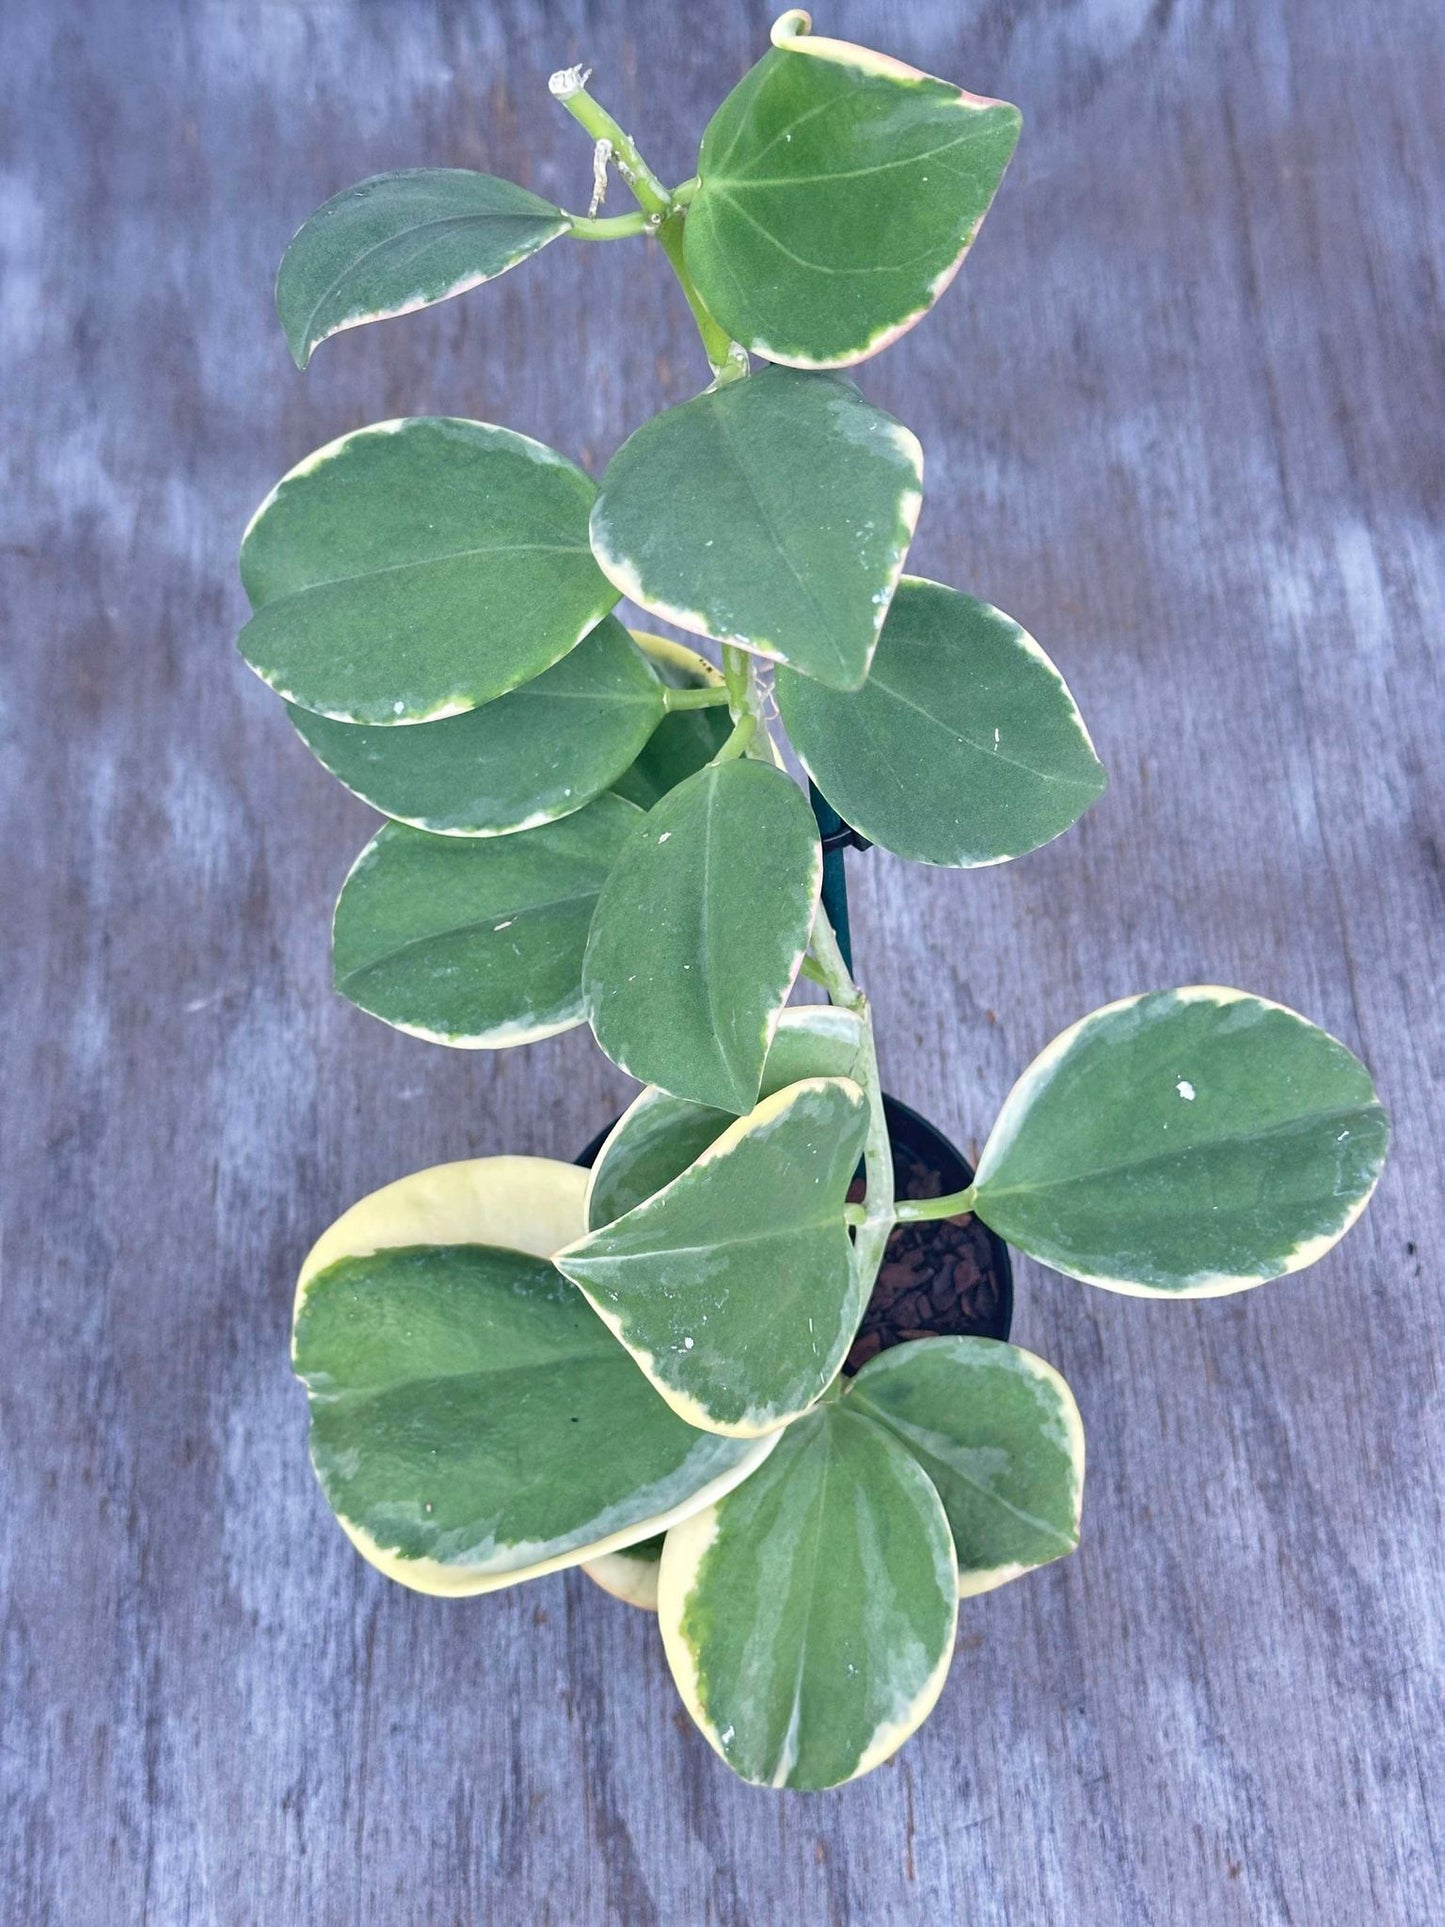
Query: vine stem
(664, 213)
(570, 88)
(879, 1210)
(664, 210)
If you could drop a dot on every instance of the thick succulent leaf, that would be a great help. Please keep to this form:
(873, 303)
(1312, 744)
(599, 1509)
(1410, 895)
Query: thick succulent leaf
(684, 741)
(404, 241)
(840, 191)
(964, 746)
(774, 513)
(699, 932)
(630, 1574)
(734, 1288)
(658, 1136)
(417, 569)
(999, 1434)
(471, 1422)
(528, 757)
(476, 941)
(809, 1616)
(1186, 1143)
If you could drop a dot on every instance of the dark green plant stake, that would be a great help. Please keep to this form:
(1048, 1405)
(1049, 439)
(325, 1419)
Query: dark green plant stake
(513, 1366)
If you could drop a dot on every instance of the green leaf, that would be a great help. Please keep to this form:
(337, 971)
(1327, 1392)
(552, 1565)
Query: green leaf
(528, 757)
(472, 1423)
(476, 942)
(700, 930)
(809, 1616)
(403, 241)
(734, 1288)
(774, 513)
(840, 191)
(683, 742)
(658, 1137)
(999, 1434)
(963, 747)
(417, 569)
(1189, 1143)
(630, 1574)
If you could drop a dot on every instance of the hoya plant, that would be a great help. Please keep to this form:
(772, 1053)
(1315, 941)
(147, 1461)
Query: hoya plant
(515, 1365)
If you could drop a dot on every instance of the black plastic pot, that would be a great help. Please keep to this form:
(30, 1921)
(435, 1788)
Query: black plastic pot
(950, 1277)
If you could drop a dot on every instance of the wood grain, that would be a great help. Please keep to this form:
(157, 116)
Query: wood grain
(1182, 416)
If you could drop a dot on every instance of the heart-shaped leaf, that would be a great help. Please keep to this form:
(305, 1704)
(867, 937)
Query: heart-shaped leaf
(999, 1434)
(658, 1136)
(416, 569)
(476, 941)
(734, 1288)
(963, 747)
(696, 942)
(1187, 1143)
(774, 513)
(528, 757)
(809, 1616)
(472, 1424)
(403, 241)
(840, 191)
(684, 741)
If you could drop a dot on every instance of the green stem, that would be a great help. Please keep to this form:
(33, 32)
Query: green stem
(744, 729)
(570, 87)
(737, 672)
(712, 697)
(726, 359)
(879, 1211)
(919, 1210)
(616, 227)
(685, 191)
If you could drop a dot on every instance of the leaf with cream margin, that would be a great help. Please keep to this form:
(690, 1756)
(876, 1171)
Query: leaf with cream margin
(1186, 1144)
(529, 757)
(734, 1288)
(964, 746)
(658, 1136)
(700, 930)
(809, 1616)
(686, 740)
(629, 1574)
(999, 1434)
(472, 1424)
(774, 513)
(417, 569)
(839, 193)
(476, 942)
(403, 241)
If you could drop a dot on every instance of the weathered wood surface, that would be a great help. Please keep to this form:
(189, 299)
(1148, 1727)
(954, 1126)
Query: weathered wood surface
(1183, 417)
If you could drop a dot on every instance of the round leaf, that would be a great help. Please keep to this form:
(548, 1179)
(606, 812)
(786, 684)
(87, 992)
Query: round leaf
(684, 741)
(476, 942)
(700, 930)
(403, 241)
(774, 513)
(471, 1422)
(734, 1288)
(417, 569)
(658, 1137)
(840, 191)
(1186, 1143)
(809, 1616)
(999, 1434)
(963, 747)
(529, 757)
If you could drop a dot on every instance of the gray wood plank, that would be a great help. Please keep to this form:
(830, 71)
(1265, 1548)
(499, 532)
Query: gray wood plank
(1182, 416)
